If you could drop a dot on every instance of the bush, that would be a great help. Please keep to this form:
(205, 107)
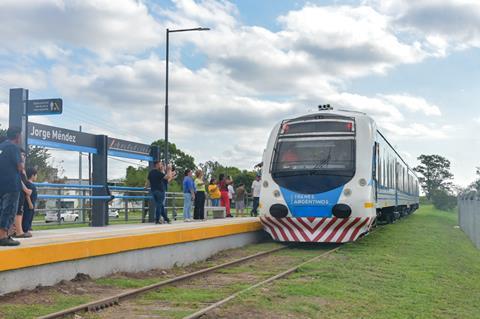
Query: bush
(443, 200)
(424, 201)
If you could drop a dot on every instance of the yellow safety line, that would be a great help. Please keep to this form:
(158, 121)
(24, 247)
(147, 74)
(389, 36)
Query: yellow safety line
(50, 253)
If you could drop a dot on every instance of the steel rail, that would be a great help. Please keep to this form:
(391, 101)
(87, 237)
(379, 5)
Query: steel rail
(114, 300)
(203, 311)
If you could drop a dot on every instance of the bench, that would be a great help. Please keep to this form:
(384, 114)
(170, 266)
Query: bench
(217, 211)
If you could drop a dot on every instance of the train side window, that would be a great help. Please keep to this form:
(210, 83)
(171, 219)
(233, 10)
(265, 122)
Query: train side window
(380, 173)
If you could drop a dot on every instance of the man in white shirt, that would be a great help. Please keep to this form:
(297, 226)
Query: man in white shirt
(256, 187)
(231, 193)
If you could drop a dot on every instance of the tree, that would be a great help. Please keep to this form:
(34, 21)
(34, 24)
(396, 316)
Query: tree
(177, 157)
(3, 133)
(38, 157)
(435, 170)
(443, 200)
(136, 177)
(210, 169)
(214, 169)
(476, 185)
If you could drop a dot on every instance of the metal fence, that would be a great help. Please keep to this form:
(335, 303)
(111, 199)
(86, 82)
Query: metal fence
(469, 216)
(72, 204)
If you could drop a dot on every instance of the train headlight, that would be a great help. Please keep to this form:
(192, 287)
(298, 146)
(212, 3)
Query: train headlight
(265, 184)
(341, 211)
(347, 192)
(362, 182)
(276, 193)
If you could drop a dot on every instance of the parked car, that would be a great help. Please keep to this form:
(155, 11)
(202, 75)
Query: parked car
(113, 213)
(66, 216)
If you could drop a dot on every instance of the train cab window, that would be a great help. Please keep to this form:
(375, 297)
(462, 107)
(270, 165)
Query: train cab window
(317, 126)
(314, 154)
(313, 165)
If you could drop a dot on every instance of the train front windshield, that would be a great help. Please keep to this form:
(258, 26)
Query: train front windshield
(315, 158)
(324, 156)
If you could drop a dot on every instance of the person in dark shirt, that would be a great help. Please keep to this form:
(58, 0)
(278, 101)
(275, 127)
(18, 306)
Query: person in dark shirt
(28, 212)
(23, 203)
(159, 179)
(11, 165)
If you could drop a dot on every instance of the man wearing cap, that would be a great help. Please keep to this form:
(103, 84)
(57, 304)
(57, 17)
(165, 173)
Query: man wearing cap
(256, 187)
(11, 164)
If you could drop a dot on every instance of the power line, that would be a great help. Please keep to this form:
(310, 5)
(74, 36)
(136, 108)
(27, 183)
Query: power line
(128, 162)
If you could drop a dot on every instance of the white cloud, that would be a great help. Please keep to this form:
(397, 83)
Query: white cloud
(33, 79)
(443, 24)
(413, 104)
(52, 27)
(253, 78)
(419, 131)
(477, 120)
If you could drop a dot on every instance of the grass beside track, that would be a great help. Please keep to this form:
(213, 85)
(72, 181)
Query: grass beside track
(420, 267)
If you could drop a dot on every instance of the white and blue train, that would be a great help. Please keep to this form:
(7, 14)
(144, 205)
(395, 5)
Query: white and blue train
(330, 176)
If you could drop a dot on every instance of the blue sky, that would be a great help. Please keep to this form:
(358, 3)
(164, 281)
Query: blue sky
(413, 66)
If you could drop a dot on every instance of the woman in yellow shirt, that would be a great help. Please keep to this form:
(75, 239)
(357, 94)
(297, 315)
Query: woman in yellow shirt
(214, 192)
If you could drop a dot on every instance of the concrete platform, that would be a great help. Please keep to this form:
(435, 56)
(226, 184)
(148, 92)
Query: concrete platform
(55, 255)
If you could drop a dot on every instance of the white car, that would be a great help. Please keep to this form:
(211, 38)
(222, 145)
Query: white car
(113, 213)
(66, 216)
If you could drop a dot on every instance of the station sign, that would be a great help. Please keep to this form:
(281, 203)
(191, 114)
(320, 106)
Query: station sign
(44, 107)
(45, 135)
(115, 144)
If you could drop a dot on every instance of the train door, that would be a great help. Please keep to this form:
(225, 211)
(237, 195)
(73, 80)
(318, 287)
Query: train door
(396, 181)
(375, 166)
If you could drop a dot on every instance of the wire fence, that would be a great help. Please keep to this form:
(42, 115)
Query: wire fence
(469, 216)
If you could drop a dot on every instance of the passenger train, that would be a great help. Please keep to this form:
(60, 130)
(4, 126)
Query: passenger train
(329, 176)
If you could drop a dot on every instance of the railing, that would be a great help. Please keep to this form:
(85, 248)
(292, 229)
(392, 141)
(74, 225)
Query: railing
(469, 216)
(128, 204)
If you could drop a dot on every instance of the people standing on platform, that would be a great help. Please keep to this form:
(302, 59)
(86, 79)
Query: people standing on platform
(214, 192)
(224, 200)
(11, 165)
(199, 207)
(240, 199)
(29, 211)
(188, 195)
(256, 187)
(158, 179)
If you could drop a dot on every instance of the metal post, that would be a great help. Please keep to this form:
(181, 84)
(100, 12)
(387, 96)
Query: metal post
(167, 32)
(18, 113)
(166, 98)
(59, 206)
(80, 180)
(126, 209)
(99, 177)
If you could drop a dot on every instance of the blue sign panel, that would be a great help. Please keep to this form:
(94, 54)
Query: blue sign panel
(44, 107)
(311, 205)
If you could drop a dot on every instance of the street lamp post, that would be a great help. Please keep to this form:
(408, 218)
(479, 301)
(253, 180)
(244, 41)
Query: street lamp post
(168, 31)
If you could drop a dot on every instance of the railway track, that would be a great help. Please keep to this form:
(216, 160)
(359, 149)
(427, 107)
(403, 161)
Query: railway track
(115, 300)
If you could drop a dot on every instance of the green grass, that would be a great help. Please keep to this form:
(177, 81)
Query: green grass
(33, 310)
(181, 296)
(420, 267)
(125, 282)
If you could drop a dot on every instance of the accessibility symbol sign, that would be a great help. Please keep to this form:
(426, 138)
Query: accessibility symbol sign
(45, 107)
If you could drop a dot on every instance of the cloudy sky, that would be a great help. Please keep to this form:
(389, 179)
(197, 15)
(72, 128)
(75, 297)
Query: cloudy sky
(414, 66)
